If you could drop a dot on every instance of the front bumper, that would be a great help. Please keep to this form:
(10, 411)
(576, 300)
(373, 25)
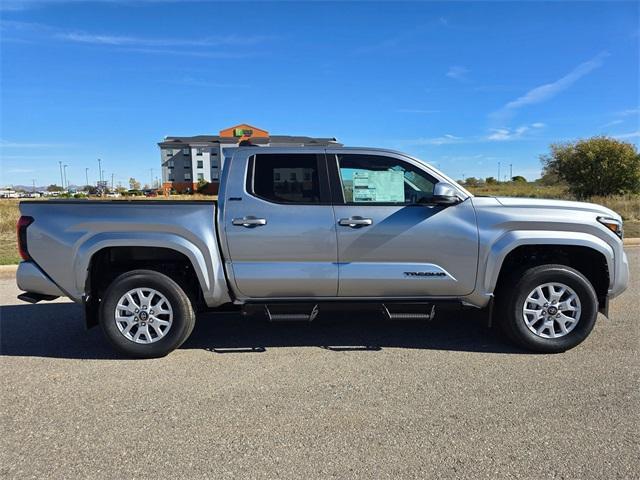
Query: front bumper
(31, 279)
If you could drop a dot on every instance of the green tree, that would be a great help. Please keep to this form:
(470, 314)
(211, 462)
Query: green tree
(491, 181)
(519, 178)
(472, 181)
(54, 188)
(134, 184)
(595, 166)
(202, 186)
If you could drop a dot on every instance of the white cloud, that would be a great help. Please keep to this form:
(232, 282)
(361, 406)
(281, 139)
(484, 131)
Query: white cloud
(635, 134)
(612, 123)
(124, 40)
(628, 112)
(8, 144)
(443, 140)
(457, 72)
(549, 90)
(505, 134)
(416, 110)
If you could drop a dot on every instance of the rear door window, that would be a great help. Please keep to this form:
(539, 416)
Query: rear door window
(288, 178)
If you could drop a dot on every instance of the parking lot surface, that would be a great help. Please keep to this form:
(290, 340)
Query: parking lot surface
(347, 396)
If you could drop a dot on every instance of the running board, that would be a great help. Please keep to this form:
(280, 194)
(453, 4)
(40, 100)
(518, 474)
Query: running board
(302, 312)
(409, 311)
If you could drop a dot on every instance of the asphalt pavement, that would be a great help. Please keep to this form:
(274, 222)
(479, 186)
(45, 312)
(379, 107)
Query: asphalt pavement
(347, 396)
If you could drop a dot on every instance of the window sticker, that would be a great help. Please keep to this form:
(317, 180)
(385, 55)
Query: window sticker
(377, 186)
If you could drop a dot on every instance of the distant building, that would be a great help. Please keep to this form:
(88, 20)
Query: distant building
(188, 160)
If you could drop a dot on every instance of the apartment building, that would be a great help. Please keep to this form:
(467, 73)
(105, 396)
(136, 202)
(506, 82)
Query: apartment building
(187, 161)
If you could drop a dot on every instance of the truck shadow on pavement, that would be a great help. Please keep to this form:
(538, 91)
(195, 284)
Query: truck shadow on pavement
(57, 330)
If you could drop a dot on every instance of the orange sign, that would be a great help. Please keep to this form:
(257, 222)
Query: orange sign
(243, 132)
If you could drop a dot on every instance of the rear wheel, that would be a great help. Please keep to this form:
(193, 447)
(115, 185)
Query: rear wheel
(145, 314)
(548, 308)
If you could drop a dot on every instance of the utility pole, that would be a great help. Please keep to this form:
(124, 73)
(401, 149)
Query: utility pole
(112, 181)
(61, 177)
(86, 175)
(34, 185)
(498, 171)
(100, 169)
(65, 177)
(511, 170)
(151, 176)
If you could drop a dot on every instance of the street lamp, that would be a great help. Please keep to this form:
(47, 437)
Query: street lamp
(100, 169)
(86, 176)
(61, 177)
(65, 177)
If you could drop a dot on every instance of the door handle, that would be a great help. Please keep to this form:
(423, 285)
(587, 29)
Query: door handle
(249, 222)
(355, 222)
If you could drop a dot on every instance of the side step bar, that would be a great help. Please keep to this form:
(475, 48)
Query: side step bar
(307, 312)
(409, 311)
(32, 297)
(302, 312)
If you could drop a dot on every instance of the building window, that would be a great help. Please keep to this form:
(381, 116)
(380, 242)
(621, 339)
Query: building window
(187, 166)
(187, 176)
(185, 151)
(199, 151)
(275, 177)
(171, 178)
(200, 177)
(200, 164)
(170, 164)
(169, 152)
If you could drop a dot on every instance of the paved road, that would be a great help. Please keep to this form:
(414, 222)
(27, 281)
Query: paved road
(344, 397)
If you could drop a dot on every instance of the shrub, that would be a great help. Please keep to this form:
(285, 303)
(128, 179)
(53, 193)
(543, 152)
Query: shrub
(596, 166)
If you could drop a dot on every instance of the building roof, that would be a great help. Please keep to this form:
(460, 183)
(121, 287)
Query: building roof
(284, 140)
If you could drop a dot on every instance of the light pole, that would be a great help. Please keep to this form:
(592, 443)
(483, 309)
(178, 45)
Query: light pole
(65, 177)
(100, 169)
(498, 171)
(86, 176)
(61, 177)
(112, 181)
(511, 171)
(34, 185)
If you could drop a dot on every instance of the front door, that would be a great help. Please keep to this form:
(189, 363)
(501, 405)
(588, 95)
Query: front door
(280, 231)
(392, 240)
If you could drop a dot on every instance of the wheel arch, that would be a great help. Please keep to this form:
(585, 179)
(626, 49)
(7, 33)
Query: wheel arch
(585, 253)
(205, 265)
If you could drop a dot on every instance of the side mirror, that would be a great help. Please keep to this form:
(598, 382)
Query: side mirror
(444, 194)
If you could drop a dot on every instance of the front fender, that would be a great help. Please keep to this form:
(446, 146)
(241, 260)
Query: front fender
(514, 239)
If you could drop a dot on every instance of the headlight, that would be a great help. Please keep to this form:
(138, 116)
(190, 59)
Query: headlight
(612, 224)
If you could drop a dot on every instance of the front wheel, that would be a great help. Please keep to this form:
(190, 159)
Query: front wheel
(145, 314)
(548, 308)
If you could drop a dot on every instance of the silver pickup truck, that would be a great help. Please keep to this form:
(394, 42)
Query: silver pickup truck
(295, 230)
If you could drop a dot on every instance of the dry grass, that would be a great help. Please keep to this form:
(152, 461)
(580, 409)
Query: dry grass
(628, 206)
(8, 217)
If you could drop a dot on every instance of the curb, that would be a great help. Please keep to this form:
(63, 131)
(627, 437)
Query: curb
(8, 268)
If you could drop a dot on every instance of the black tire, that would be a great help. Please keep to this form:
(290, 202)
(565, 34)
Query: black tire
(179, 330)
(511, 299)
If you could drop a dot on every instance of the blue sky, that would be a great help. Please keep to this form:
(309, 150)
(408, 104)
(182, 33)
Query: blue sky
(461, 85)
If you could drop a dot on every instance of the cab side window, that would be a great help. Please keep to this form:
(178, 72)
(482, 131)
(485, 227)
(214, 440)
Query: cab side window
(380, 180)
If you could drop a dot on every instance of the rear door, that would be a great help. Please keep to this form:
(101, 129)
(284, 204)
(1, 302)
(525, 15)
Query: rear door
(279, 226)
(392, 240)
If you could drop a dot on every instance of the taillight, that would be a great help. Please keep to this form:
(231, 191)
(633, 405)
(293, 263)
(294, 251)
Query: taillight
(23, 223)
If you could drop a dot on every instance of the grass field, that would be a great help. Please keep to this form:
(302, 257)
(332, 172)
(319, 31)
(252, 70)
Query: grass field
(628, 206)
